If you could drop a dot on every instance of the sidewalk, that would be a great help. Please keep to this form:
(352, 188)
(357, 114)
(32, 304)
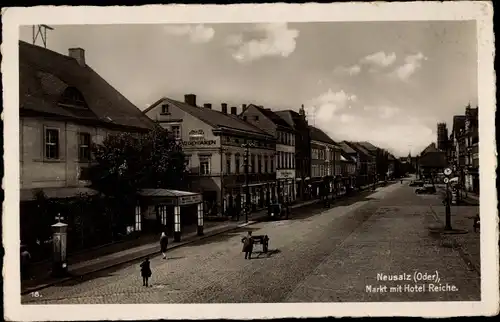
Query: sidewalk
(468, 245)
(86, 263)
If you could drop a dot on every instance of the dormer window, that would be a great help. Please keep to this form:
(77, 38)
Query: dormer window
(165, 109)
(72, 97)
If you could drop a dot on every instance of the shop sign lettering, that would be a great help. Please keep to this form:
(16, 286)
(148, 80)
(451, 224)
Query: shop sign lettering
(201, 142)
(280, 174)
(188, 200)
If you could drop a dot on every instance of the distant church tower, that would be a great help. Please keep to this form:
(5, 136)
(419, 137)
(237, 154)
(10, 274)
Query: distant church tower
(442, 137)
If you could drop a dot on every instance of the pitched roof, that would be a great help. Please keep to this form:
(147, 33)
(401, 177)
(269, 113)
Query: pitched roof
(430, 148)
(434, 159)
(319, 135)
(288, 116)
(213, 118)
(346, 157)
(44, 75)
(391, 157)
(346, 148)
(359, 148)
(368, 146)
(275, 118)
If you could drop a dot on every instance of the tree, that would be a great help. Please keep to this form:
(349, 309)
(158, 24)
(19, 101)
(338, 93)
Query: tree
(382, 162)
(127, 162)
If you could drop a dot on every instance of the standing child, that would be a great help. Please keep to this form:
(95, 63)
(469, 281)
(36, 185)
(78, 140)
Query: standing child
(145, 271)
(163, 244)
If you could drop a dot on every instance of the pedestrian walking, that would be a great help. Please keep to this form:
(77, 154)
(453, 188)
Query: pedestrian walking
(146, 271)
(248, 245)
(163, 244)
(25, 263)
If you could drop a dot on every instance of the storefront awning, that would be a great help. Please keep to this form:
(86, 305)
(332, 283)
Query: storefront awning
(55, 193)
(180, 198)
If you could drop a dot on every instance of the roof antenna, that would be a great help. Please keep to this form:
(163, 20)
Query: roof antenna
(41, 30)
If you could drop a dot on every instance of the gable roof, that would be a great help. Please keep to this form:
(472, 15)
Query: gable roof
(346, 148)
(213, 118)
(346, 157)
(319, 135)
(430, 148)
(356, 146)
(44, 75)
(275, 118)
(368, 146)
(288, 116)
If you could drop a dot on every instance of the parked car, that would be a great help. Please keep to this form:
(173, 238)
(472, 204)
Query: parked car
(277, 211)
(425, 190)
(416, 184)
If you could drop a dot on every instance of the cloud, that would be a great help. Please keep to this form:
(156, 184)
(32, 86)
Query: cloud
(196, 33)
(352, 70)
(383, 112)
(379, 59)
(278, 40)
(411, 65)
(383, 125)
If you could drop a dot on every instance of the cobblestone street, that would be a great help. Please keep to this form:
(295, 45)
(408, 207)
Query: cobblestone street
(329, 255)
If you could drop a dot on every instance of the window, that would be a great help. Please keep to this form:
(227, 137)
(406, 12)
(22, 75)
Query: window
(52, 143)
(138, 218)
(272, 165)
(188, 162)
(256, 117)
(71, 97)
(252, 164)
(265, 164)
(237, 163)
(204, 165)
(228, 163)
(244, 117)
(176, 132)
(84, 146)
(259, 163)
(165, 109)
(293, 161)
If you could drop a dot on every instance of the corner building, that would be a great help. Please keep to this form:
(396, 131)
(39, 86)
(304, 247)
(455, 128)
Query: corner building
(214, 144)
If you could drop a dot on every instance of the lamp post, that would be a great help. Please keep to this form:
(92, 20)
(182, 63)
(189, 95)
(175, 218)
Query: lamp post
(247, 146)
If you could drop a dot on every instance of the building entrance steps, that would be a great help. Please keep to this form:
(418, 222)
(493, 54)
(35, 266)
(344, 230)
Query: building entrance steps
(98, 259)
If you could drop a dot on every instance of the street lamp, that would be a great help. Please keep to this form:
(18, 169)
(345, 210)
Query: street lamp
(247, 146)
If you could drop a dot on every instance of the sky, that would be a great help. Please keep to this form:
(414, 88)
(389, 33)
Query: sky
(384, 82)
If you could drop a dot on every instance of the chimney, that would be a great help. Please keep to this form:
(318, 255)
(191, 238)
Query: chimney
(224, 108)
(234, 110)
(78, 54)
(244, 106)
(190, 99)
(207, 105)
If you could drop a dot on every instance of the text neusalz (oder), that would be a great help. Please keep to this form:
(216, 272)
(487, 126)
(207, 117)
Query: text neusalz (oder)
(411, 288)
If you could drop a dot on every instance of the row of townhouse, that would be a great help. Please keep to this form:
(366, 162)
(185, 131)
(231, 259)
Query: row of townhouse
(65, 105)
(463, 148)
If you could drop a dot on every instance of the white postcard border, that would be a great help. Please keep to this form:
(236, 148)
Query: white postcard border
(482, 12)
